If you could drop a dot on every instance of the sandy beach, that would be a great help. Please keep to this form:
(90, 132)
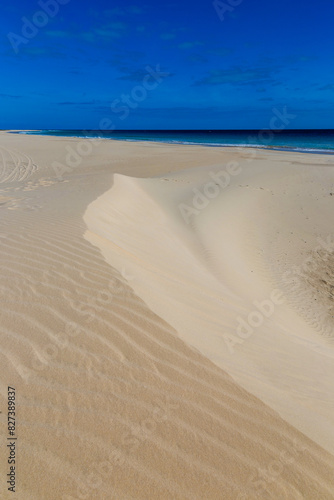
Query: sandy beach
(166, 320)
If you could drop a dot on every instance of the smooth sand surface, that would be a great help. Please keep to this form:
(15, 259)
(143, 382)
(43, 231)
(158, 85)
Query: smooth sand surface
(166, 344)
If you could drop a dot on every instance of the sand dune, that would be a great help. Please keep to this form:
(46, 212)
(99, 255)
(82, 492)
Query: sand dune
(113, 320)
(220, 283)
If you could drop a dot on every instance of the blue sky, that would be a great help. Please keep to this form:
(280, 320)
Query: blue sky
(92, 63)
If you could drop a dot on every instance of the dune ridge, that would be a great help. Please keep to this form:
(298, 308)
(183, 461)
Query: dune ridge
(203, 275)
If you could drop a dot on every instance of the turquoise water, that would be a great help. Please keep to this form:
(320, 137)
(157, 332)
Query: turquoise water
(309, 141)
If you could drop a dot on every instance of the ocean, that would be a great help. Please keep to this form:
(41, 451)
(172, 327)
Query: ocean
(308, 141)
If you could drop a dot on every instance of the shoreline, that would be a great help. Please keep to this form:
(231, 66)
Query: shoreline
(282, 148)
